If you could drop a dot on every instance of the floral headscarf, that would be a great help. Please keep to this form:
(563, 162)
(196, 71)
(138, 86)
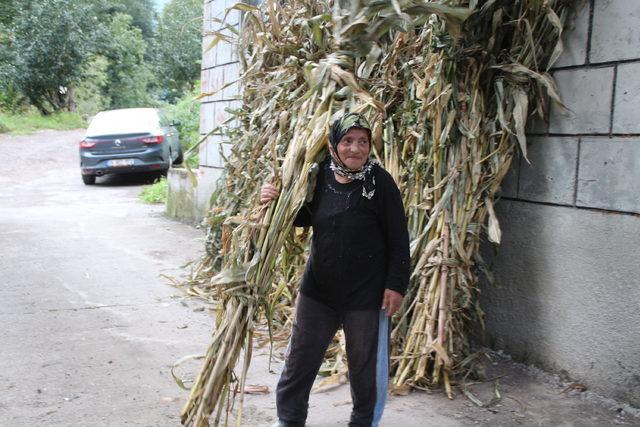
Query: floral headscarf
(338, 130)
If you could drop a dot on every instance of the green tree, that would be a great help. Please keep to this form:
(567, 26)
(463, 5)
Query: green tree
(91, 92)
(10, 8)
(48, 45)
(128, 74)
(178, 48)
(142, 12)
(187, 112)
(144, 16)
(10, 97)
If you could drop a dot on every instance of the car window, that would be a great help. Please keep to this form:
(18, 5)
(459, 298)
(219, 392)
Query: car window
(132, 120)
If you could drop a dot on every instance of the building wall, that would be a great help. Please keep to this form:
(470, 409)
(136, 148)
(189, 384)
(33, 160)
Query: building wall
(220, 67)
(568, 268)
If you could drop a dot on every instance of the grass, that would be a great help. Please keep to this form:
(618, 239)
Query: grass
(155, 193)
(32, 121)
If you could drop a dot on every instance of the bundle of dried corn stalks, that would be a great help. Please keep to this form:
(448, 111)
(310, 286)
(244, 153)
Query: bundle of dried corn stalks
(448, 87)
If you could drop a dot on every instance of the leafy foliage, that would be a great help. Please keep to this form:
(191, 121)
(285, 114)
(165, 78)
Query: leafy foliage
(88, 55)
(187, 111)
(142, 13)
(156, 192)
(128, 74)
(92, 92)
(31, 121)
(45, 71)
(178, 48)
(9, 9)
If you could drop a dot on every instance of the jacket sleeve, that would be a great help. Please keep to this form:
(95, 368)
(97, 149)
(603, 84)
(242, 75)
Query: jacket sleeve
(303, 218)
(397, 235)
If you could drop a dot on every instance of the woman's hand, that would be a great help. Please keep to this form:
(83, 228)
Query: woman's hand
(391, 301)
(268, 192)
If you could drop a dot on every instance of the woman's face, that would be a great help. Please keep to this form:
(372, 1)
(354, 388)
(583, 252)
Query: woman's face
(353, 148)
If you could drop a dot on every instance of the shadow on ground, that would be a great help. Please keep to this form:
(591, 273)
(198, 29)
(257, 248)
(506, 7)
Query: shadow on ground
(128, 179)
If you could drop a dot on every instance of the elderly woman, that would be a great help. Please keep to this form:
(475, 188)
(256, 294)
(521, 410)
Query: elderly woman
(355, 277)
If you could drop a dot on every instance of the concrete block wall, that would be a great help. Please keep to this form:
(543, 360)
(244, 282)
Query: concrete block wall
(220, 67)
(569, 264)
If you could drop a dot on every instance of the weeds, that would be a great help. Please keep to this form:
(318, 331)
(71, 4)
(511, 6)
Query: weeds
(32, 121)
(155, 193)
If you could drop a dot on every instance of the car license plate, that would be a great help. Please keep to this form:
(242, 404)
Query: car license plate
(121, 162)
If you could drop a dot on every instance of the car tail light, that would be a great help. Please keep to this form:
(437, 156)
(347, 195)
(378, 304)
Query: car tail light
(157, 139)
(87, 144)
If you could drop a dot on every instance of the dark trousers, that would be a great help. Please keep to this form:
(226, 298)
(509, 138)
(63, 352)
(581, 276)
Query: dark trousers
(366, 333)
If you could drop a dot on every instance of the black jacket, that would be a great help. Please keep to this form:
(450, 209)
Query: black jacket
(360, 246)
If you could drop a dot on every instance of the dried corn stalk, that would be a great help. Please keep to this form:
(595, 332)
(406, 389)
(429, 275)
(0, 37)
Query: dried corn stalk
(448, 87)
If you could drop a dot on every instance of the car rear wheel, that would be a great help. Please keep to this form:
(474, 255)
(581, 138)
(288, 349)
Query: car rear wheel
(89, 179)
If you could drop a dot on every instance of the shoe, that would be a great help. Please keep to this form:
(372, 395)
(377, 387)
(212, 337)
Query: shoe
(283, 423)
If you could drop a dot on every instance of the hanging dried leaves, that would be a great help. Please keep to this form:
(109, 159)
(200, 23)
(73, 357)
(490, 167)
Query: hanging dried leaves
(448, 89)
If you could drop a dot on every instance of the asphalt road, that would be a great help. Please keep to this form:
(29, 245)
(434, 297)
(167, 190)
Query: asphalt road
(89, 328)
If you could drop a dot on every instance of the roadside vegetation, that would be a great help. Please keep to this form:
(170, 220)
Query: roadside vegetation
(187, 112)
(62, 61)
(31, 121)
(156, 192)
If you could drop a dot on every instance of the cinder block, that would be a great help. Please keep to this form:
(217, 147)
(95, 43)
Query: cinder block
(575, 36)
(187, 202)
(217, 9)
(208, 179)
(223, 52)
(204, 83)
(569, 279)
(587, 94)
(214, 82)
(626, 109)
(551, 175)
(207, 23)
(231, 73)
(221, 114)
(202, 152)
(509, 186)
(234, 46)
(214, 16)
(616, 30)
(609, 174)
(205, 75)
(208, 52)
(214, 149)
(226, 50)
(207, 116)
(233, 16)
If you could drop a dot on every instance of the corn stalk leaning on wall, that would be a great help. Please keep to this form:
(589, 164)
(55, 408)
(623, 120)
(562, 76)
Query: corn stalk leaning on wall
(448, 87)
